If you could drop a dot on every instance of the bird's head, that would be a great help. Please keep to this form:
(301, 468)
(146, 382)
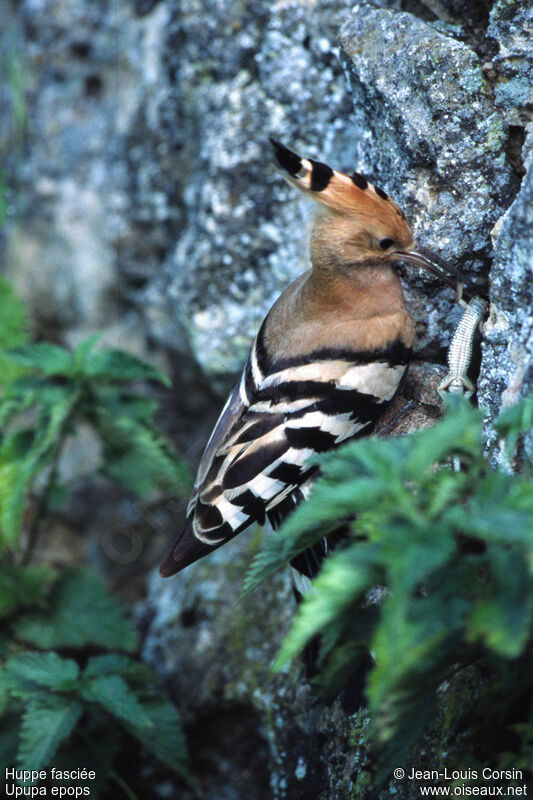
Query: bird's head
(360, 224)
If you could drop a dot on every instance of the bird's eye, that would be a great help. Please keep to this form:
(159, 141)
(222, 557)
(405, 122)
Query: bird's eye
(385, 243)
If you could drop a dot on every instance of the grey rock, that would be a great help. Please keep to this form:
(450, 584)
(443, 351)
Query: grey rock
(270, 70)
(507, 363)
(432, 133)
(217, 659)
(511, 27)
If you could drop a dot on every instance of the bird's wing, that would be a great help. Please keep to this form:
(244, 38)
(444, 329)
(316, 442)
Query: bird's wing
(273, 422)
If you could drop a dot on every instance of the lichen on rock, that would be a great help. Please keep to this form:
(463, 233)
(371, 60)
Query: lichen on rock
(507, 364)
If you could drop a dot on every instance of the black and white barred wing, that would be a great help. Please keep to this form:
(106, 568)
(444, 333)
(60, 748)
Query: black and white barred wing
(256, 462)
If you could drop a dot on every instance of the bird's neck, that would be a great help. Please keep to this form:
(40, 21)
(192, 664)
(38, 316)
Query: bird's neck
(360, 290)
(360, 309)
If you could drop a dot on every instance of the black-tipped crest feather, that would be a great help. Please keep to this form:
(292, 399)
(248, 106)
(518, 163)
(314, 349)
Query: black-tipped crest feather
(286, 158)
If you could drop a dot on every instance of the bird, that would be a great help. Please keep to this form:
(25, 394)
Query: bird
(326, 363)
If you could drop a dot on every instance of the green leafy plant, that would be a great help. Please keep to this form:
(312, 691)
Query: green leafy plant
(71, 690)
(50, 702)
(454, 549)
(59, 391)
(13, 331)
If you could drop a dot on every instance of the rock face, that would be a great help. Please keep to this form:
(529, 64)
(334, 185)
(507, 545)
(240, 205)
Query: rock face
(437, 136)
(269, 71)
(507, 364)
(145, 204)
(511, 27)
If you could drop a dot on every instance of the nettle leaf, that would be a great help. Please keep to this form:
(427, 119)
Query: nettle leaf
(459, 432)
(18, 469)
(13, 331)
(501, 511)
(81, 612)
(22, 586)
(131, 691)
(114, 401)
(138, 458)
(416, 520)
(503, 617)
(277, 550)
(113, 693)
(109, 664)
(119, 365)
(411, 554)
(83, 353)
(46, 722)
(43, 356)
(44, 669)
(340, 585)
(164, 738)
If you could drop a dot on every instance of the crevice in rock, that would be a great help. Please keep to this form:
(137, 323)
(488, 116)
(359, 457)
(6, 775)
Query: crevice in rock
(93, 85)
(80, 49)
(515, 143)
(467, 22)
(425, 10)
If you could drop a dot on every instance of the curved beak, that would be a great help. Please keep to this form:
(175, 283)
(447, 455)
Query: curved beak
(424, 258)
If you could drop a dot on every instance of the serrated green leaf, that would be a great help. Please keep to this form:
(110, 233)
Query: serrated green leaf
(518, 418)
(34, 389)
(459, 432)
(340, 585)
(83, 353)
(22, 586)
(81, 612)
(51, 359)
(309, 523)
(454, 548)
(114, 402)
(165, 737)
(138, 675)
(113, 693)
(13, 331)
(503, 617)
(158, 728)
(119, 365)
(46, 722)
(44, 669)
(137, 457)
(108, 664)
(17, 473)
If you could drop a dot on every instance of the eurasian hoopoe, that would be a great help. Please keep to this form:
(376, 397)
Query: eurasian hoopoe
(326, 363)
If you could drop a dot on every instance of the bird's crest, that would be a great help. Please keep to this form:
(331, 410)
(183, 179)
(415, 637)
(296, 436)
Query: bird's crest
(331, 187)
(352, 197)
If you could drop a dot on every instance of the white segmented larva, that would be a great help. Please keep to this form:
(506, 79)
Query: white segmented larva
(460, 352)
